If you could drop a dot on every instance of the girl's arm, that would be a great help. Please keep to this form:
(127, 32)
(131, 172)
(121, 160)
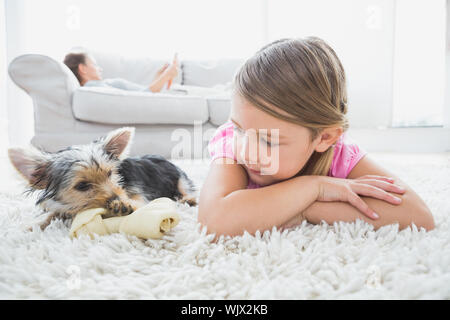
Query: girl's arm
(226, 207)
(412, 209)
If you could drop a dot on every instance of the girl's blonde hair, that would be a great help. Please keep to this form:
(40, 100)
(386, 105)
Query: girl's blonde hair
(305, 78)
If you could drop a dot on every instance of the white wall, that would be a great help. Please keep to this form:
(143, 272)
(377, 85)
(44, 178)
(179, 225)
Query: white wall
(195, 28)
(20, 106)
(3, 109)
(447, 84)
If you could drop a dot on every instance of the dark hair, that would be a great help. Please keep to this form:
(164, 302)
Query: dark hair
(73, 60)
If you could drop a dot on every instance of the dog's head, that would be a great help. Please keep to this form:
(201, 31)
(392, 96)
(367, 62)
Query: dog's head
(79, 177)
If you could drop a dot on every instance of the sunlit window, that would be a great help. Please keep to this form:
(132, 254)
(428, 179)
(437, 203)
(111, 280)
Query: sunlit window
(419, 63)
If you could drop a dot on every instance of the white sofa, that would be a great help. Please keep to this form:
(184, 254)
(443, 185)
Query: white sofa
(66, 113)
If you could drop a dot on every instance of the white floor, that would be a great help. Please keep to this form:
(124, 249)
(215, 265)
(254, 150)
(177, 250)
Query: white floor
(342, 261)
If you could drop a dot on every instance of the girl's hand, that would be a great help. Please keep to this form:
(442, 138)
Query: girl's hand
(347, 190)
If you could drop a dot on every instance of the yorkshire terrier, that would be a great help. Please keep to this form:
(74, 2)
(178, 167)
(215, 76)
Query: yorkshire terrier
(100, 175)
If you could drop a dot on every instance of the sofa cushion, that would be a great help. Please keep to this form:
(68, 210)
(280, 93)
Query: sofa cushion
(219, 109)
(138, 69)
(218, 98)
(115, 106)
(208, 73)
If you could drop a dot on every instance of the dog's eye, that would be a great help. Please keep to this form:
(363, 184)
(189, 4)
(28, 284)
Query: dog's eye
(83, 186)
(109, 173)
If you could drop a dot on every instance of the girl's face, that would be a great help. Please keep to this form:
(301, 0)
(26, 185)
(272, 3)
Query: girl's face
(265, 159)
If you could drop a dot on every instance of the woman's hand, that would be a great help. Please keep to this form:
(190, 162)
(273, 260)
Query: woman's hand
(161, 71)
(347, 190)
(172, 70)
(165, 75)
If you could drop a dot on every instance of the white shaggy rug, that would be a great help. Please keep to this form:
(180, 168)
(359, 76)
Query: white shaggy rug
(341, 261)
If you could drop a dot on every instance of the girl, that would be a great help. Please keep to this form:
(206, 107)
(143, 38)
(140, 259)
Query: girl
(291, 98)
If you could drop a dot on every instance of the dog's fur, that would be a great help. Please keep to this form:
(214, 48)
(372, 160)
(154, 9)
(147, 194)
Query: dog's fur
(99, 174)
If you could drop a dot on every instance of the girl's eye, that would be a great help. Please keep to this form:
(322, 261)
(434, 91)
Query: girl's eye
(83, 186)
(268, 143)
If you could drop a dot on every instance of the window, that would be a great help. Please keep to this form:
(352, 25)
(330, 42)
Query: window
(393, 53)
(419, 63)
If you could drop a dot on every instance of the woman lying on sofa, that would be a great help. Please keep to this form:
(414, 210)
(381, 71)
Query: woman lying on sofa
(88, 73)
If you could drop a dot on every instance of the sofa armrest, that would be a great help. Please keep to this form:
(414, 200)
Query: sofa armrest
(49, 83)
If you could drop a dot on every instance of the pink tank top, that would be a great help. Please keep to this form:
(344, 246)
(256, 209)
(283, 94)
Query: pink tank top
(346, 152)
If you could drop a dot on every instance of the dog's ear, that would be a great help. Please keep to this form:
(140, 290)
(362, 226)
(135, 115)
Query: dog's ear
(118, 142)
(31, 164)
